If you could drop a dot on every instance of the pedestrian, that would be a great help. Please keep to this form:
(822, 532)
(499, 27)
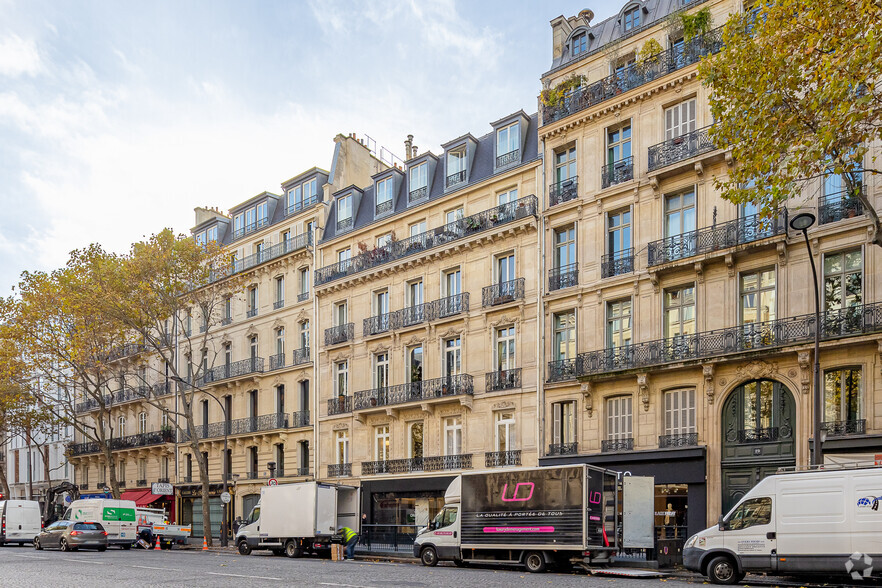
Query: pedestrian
(236, 524)
(350, 538)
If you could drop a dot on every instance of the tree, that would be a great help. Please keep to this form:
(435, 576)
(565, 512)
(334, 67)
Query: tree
(794, 93)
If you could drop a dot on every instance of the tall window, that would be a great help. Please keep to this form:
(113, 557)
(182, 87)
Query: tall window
(564, 335)
(310, 191)
(618, 143)
(343, 257)
(508, 139)
(142, 469)
(295, 199)
(121, 427)
(341, 455)
(453, 282)
(280, 291)
(505, 348)
(304, 283)
(758, 297)
(262, 216)
(142, 422)
(304, 334)
(564, 247)
(344, 210)
(417, 228)
(508, 196)
(252, 300)
(452, 216)
(415, 444)
(452, 357)
(843, 280)
(415, 363)
(252, 346)
(680, 411)
(381, 303)
(505, 268)
(381, 370)
(384, 196)
(631, 18)
(679, 311)
(679, 213)
(381, 443)
(563, 422)
(340, 314)
(579, 44)
(842, 395)
(505, 431)
(618, 324)
(618, 418)
(280, 341)
(121, 471)
(680, 119)
(280, 459)
(228, 309)
(341, 380)
(415, 293)
(453, 435)
(419, 177)
(618, 236)
(564, 166)
(456, 163)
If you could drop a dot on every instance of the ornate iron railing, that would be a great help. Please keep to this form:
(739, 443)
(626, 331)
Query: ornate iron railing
(838, 323)
(300, 419)
(455, 179)
(339, 405)
(226, 321)
(844, 428)
(300, 356)
(278, 304)
(447, 462)
(562, 369)
(266, 422)
(417, 194)
(339, 470)
(681, 440)
(617, 172)
(161, 389)
(416, 464)
(129, 442)
(608, 445)
(497, 459)
(680, 148)
(563, 191)
(723, 236)
(451, 305)
(502, 380)
(339, 334)
(835, 207)
(383, 208)
(758, 435)
(141, 482)
(439, 237)
(412, 315)
(126, 350)
(634, 76)
(295, 243)
(235, 369)
(508, 158)
(376, 324)
(563, 448)
(250, 228)
(344, 224)
(298, 206)
(276, 361)
(302, 471)
(413, 391)
(302, 296)
(502, 292)
(563, 277)
(618, 263)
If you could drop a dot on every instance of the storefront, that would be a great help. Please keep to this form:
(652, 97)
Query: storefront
(145, 498)
(191, 508)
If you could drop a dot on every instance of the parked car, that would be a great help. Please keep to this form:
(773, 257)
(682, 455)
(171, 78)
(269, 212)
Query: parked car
(20, 521)
(72, 535)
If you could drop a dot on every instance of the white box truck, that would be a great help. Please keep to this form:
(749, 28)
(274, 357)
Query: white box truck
(20, 521)
(116, 516)
(301, 518)
(820, 521)
(534, 517)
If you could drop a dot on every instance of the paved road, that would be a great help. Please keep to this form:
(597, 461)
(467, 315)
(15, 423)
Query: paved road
(24, 567)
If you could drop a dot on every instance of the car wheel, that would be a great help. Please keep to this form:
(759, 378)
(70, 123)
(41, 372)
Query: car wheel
(722, 570)
(534, 561)
(102, 549)
(429, 556)
(64, 545)
(292, 549)
(243, 548)
(37, 545)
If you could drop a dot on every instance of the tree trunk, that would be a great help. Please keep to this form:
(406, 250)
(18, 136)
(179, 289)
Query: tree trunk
(47, 474)
(3, 479)
(206, 510)
(30, 466)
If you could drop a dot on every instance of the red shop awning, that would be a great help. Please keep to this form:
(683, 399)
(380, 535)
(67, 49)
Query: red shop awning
(141, 497)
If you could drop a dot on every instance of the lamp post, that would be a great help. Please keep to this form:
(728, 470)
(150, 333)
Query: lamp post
(802, 222)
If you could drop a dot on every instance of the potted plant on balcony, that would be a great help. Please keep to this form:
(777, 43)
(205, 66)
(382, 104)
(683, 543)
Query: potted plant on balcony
(649, 53)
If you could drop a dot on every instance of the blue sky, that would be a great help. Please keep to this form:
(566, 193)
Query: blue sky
(118, 117)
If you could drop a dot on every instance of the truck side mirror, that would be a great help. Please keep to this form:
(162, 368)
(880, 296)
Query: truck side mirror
(721, 524)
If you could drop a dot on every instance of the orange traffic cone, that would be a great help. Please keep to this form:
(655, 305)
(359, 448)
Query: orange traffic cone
(158, 546)
(204, 544)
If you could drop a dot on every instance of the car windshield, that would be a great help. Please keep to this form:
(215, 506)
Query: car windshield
(255, 514)
(88, 527)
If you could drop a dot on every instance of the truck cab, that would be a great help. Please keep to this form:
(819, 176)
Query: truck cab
(440, 540)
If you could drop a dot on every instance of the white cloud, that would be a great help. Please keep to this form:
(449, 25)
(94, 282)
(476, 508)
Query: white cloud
(19, 57)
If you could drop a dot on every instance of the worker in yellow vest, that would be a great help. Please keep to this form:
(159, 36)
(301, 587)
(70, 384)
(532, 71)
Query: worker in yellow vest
(350, 538)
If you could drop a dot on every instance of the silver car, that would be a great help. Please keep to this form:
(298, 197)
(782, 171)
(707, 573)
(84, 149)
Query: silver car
(72, 535)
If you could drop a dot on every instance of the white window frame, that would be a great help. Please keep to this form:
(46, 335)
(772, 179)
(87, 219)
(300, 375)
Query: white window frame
(504, 436)
(619, 418)
(341, 378)
(382, 443)
(341, 452)
(679, 119)
(505, 137)
(453, 435)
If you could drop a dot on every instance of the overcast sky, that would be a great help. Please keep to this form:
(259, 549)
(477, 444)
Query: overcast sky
(118, 117)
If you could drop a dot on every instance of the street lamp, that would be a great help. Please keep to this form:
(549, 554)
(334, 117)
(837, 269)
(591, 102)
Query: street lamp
(802, 222)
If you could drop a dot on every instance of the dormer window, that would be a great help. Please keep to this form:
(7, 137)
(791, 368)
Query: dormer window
(250, 220)
(456, 167)
(344, 213)
(419, 182)
(508, 145)
(579, 44)
(384, 197)
(302, 196)
(631, 19)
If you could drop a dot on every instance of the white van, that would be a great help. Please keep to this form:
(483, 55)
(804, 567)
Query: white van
(20, 521)
(824, 520)
(116, 516)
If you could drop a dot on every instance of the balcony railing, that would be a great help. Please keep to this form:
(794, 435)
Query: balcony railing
(290, 245)
(563, 277)
(845, 428)
(383, 208)
(129, 442)
(298, 206)
(300, 356)
(413, 315)
(304, 471)
(617, 172)
(634, 76)
(344, 224)
(226, 321)
(561, 370)
(502, 380)
(126, 350)
(458, 385)
(680, 148)
(563, 191)
(759, 435)
(339, 405)
(502, 292)
(723, 236)
(339, 470)
(618, 263)
(303, 296)
(339, 334)
(278, 304)
(235, 369)
(498, 459)
(455, 179)
(250, 228)
(266, 422)
(300, 419)
(836, 207)
(276, 361)
(609, 445)
(376, 324)
(563, 448)
(439, 237)
(417, 464)
(508, 158)
(250, 313)
(835, 324)
(681, 440)
(141, 482)
(161, 389)
(417, 194)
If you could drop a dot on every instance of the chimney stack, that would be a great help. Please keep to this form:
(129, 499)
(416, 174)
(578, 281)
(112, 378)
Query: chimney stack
(407, 143)
(415, 151)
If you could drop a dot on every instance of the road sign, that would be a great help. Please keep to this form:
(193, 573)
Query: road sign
(225, 497)
(272, 482)
(162, 489)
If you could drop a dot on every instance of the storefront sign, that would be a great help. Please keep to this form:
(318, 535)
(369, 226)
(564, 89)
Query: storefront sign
(162, 489)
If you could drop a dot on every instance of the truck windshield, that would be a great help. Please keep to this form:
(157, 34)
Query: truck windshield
(445, 518)
(756, 511)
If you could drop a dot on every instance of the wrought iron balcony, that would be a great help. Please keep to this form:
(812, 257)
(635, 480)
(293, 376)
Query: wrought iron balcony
(617, 172)
(714, 238)
(412, 315)
(416, 464)
(339, 470)
(300, 419)
(235, 369)
(618, 263)
(287, 246)
(680, 148)
(502, 380)
(276, 361)
(758, 435)
(439, 237)
(300, 356)
(455, 179)
(266, 422)
(458, 385)
(141, 482)
(563, 448)
(304, 471)
(278, 304)
(126, 350)
(252, 475)
(383, 208)
(376, 325)
(835, 324)
(339, 405)
(563, 191)
(417, 194)
(162, 480)
(845, 428)
(563, 277)
(502, 292)
(835, 207)
(609, 445)
(226, 321)
(121, 483)
(437, 463)
(344, 224)
(508, 158)
(298, 206)
(303, 296)
(562, 370)
(251, 313)
(681, 440)
(634, 76)
(128, 442)
(498, 459)
(250, 228)
(451, 305)
(339, 334)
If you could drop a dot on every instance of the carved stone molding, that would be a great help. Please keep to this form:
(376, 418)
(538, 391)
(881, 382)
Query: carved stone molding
(587, 390)
(730, 264)
(699, 272)
(804, 371)
(653, 279)
(341, 356)
(379, 348)
(505, 405)
(782, 253)
(277, 324)
(251, 332)
(457, 411)
(643, 390)
(756, 369)
(708, 373)
(302, 316)
(504, 320)
(303, 377)
(341, 427)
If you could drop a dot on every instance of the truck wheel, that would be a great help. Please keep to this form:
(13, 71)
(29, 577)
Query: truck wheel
(722, 570)
(534, 561)
(429, 557)
(278, 552)
(292, 549)
(243, 548)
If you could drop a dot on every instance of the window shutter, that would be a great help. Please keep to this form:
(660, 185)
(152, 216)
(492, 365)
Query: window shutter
(555, 433)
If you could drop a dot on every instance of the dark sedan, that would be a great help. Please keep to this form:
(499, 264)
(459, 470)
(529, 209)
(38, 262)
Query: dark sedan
(72, 535)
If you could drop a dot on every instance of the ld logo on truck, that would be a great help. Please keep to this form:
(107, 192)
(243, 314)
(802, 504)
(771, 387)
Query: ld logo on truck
(517, 488)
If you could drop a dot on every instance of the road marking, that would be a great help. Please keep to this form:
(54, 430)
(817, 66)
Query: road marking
(88, 561)
(244, 576)
(155, 568)
(30, 556)
(348, 585)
